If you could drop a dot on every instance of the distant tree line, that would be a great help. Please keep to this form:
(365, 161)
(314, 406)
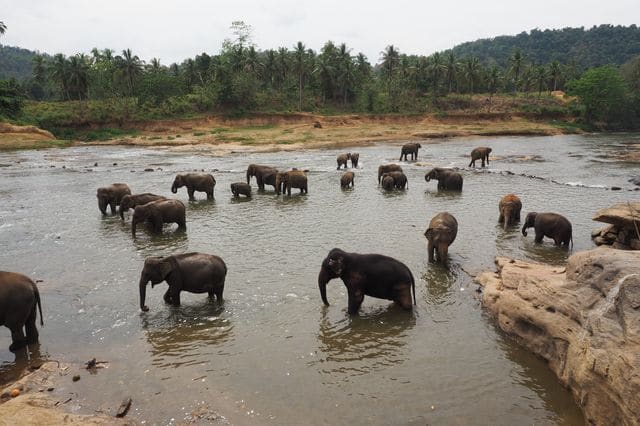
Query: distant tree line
(242, 78)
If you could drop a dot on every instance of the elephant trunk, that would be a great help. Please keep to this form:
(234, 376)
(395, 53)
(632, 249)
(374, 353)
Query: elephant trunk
(524, 229)
(102, 204)
(248, 177)
(323, 279)
(427, 178)
(174, 188)
(122, 212)
(443, 252)
(507, 218)
(143, 292)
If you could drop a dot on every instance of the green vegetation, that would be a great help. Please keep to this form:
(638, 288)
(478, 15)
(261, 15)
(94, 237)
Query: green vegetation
(106, 90)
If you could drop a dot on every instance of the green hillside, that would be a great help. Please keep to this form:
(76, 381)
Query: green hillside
(601, 45)
(15, 62)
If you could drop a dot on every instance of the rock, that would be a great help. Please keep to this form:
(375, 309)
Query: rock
(624, 215)
(634, 244)
(635, 181)
(124, 407)
(317, 125)
(600, 241)
(620, 246)
(584, 320)
(76, 378)
(148, 170)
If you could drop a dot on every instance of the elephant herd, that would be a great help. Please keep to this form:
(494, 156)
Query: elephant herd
(373, 275)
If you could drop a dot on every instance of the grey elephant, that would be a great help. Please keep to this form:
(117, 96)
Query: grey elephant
(19, 297)
(192, 272)
(354, 160)
(131, 201)
(201, 182)
(156, 213)
(292, 179)
(388, 183)
(386, 168)
(346, 180)
(480, 153)
(111, 196)
(263, 174)
(372, 275)
(342, 160)
(399, 179)
(550, 225)
(448, 180)
(410, 149)
(441, 233)
(509, 207)
(241, 188)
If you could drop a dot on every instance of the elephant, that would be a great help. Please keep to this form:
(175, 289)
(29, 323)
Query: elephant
(509, 206)
(386, 168)
(448, 180)
(373, 275)
(201, 182)
(192, 272)
(131, 201)
(410, 149)
(292, 179)
(239, 188)
(19, 296)
(399, 179)
(550, 225)
(441, 233)
(354, 160)
(111, 196)
(342, 160)
(388, 183)
(346, 180)
(480, 153)
(158, 212)
(264, 175)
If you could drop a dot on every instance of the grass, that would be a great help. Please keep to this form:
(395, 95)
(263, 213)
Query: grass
(199, 133)
(103, 134)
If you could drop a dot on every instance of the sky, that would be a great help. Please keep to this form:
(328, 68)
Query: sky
(175, 30)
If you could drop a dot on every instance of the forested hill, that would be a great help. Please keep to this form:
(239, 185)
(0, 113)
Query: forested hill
(605, 44)
(15, 62)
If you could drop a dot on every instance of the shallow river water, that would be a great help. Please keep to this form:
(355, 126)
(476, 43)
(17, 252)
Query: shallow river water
(272, 353)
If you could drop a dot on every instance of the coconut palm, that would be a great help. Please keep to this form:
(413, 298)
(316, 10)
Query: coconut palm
(300, 67)
(554, 73)
(516, 60)
(3, 28)
(437, 68)
(130, 66)
(471, 70)
(452, 66)
(270, 67)
(540, 77)
(78, 77)
(493, 81)
(60, 74)
(39, 69)
(390, 61)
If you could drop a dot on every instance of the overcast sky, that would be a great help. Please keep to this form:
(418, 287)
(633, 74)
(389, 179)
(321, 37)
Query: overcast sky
(175, 30)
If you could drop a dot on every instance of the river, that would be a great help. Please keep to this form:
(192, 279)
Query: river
(273, 353)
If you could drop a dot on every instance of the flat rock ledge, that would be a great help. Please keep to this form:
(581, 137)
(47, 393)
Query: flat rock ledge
(624, 230)
(37, 405)
(583, 319)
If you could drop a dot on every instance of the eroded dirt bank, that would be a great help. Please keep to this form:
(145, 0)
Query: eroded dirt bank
(583, 319)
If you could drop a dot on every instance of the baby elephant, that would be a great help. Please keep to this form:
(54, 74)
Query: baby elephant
(373, 275)
(342, 160)
(509, 206)
(18, 299)
(441, 233)
(399, 179)
(241, 188)
(480, 153)
(388, 184)
(201, 182)
(111, 196)
(346, 180)
(448, 180)
(354, 159)
(550, 225)
(192, 272)
(156, 213)
(131, 201)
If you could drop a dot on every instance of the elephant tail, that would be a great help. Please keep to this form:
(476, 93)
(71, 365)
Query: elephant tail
(39, 306)
(413, 287)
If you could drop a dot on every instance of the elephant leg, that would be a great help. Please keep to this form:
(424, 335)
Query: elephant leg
(167, 297)
(539, 237)
(30, 326)
(355, 300)
(487, 159)
(212, 294)
(403, 295)
(190, 191)
(471, 163)
(112, 205)
(209, 195)
(17, 338)
(175, 297)
(501, 218)
(431, 249)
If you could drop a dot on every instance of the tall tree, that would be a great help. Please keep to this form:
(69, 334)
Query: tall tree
(130, 67)
(3, 28)
(603, 93)
(437, 68)
(452, 65)
(540, 77)
(493, 81)
(471, 70)
(554, 73)
(390, 63)
(300, 62)
(79, 75)
(516, 60)
(60, 74)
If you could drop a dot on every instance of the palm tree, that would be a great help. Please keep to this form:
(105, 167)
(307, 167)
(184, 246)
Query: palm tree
(325, 71)
(554, 72)
(282, 65)
(300, 66)
(270, 67)
(471, 70)
(436, 67)
(131, 67)
(3, 28)
(154, 65)
(59, 73)
(79, 75)
(516, 61)
(540, 76)
(39, 69)
(390, 61)
(493, 80)
(452, 65)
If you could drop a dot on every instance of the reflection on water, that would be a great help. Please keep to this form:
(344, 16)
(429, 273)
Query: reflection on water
(26, 359)
(273, 344)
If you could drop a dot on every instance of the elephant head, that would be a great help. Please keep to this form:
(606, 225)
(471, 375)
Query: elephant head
(156, 270)
(178, 182)
(332, 267)
(104, 196)
(140, 214)
(433, 174)
(529, 222)
(125, 204)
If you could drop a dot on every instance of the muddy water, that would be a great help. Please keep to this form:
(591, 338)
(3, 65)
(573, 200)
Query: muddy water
(272, 353)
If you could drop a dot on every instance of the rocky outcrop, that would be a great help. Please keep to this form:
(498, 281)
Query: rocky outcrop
(31, 130)
(624, 230)
(584, 320)
(33, 400)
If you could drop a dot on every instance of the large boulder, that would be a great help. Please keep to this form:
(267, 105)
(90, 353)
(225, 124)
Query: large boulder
(583, 319)
(624, 231)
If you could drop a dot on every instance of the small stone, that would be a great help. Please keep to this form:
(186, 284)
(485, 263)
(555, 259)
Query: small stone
(148, 170)
(95, 164)
(14, 393)
(634, 244)
(616, 188)
(50, 389)
(76, 377)
(115, 164)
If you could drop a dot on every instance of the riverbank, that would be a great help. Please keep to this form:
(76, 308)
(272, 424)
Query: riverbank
(288, 132)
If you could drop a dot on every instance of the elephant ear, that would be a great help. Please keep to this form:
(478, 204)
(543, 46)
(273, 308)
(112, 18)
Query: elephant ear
(336, 264)
(167, 265)
(428, 233)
